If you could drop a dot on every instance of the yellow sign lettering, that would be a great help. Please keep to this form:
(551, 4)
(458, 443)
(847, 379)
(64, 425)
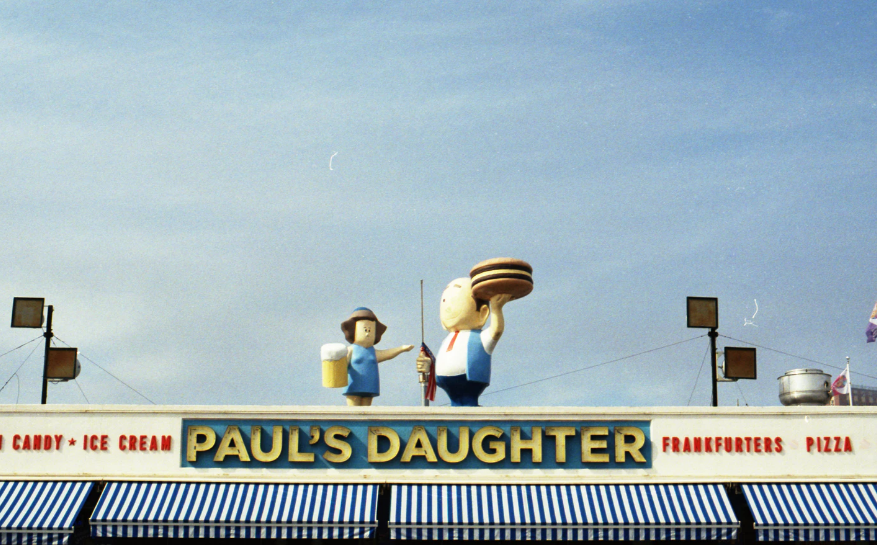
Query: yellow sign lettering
(560, 433)
(462, 448)
(232, 444)
(589, 444)
(256, 444)
(534, 444)
(622, 447)
(193, 446)
(376, 432)
(294, 455)
(331, 439)
(419, 446)
(497, 446)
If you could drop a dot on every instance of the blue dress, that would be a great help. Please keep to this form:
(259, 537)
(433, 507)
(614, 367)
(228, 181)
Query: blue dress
(362, 373)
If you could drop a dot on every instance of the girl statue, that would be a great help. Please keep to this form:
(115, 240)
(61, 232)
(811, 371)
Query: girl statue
(363, 330)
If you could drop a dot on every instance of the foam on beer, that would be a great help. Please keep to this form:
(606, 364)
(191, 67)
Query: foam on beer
(333, 352)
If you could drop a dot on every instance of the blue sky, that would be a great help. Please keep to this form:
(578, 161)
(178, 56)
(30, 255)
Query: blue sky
(167, 188)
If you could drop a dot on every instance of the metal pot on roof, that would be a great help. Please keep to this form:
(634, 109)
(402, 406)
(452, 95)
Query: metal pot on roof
(805, 387)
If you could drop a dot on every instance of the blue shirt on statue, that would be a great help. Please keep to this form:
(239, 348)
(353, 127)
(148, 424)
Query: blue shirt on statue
(362, 373)
(463, 366)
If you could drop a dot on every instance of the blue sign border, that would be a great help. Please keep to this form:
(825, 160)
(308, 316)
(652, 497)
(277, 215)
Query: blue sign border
(358, 440)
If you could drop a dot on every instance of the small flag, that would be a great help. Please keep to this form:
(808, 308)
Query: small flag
(871, 333)
(431, 386)
(841, 384)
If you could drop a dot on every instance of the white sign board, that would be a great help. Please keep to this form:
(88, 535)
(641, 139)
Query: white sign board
(438, 445)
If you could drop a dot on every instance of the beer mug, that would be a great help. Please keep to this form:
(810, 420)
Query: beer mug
(334, 358)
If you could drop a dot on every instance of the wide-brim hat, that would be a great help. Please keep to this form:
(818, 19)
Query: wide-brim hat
(348, 326)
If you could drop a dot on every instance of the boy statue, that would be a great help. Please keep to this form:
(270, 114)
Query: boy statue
(463, 363)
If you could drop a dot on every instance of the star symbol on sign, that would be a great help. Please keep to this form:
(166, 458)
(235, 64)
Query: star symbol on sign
(71, 441)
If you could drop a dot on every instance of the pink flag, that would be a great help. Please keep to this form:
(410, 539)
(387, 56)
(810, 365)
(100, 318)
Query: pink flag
(841, 384)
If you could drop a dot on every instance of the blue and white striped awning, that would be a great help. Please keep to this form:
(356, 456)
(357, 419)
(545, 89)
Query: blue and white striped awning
(236, 510)
(813, 511)
(561, 512)
(40, 512)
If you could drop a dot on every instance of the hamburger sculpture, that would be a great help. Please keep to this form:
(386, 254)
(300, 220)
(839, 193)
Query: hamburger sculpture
(502, 276)
(463, 363)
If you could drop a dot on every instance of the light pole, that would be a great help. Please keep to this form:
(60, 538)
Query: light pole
(703, 312)
(423, 377)
(713, 334)
(58, 363)
(48, 336)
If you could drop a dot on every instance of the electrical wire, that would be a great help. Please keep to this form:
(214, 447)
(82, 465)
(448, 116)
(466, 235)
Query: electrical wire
(19, 346)
(741, 393)
(798, 357)
(703, 361)
(110, 374)
(590, 367)
(81, 391)
(19, 367)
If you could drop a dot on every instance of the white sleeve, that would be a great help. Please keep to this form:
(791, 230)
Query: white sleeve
(487, 342)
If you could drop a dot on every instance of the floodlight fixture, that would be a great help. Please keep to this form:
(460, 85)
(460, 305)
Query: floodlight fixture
(703, 312)
(27, 312)
(739, 363)
(63, 364)
(59, 364)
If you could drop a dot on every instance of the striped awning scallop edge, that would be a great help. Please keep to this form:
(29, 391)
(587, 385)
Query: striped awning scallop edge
(844, 512)
(561, 512)
(236, 510)
(40, 512)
